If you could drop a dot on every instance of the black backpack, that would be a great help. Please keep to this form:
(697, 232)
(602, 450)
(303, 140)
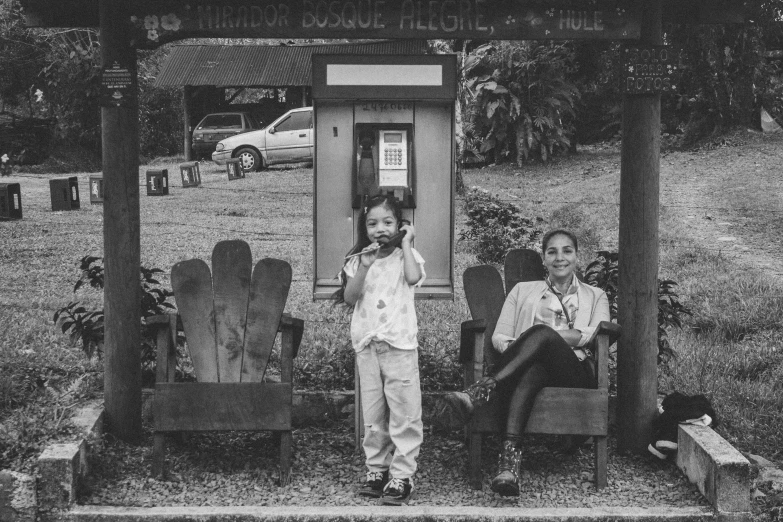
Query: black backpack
(678, 408)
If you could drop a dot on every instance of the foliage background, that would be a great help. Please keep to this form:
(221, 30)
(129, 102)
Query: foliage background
(520, 101)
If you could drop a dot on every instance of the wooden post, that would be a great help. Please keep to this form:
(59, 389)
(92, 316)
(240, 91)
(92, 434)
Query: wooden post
(121, 244)
(187, 94)
(637, 383)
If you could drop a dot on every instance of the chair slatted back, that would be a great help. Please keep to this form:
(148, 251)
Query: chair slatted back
(522, 264)
(231, 315)
(191, 281)
(485, 291)
(231, 271)
(268, 294)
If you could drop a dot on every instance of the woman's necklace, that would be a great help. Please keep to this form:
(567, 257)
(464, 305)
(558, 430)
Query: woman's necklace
(562, 305)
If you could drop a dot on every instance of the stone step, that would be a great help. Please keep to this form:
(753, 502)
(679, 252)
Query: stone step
(384, 514)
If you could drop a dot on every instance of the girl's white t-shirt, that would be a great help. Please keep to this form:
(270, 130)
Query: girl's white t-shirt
(385, 309)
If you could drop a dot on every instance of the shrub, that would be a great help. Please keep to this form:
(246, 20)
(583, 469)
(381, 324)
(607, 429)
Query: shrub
(36, 401)
(439, 367)
(497, 226)
(326, 367)
(518, 103)
(603, 273)
(85, 325)
(160, 109)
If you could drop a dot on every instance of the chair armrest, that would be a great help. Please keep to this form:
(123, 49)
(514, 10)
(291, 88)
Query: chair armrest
(613, 330)
(603, 337)
(166, 345)
(157, 320)
(163, 319)
(296, 327)
(469, 330)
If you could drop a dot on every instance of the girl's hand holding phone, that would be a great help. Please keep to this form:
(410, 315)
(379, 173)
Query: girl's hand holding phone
(410, 232)
(369, 254)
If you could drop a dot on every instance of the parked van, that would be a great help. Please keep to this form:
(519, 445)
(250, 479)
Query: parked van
(288, 139)
(216, 126)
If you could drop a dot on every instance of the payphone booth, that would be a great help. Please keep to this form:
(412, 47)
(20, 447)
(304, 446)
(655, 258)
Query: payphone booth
(384, 124)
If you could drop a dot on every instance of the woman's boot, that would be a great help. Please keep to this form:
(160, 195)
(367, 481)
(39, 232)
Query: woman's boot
(461, 404)
(506, 482)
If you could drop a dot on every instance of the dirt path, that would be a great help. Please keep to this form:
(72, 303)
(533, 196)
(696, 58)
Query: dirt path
(729, 199)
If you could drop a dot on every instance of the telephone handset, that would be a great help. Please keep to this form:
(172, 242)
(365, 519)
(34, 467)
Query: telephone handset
(393, 242)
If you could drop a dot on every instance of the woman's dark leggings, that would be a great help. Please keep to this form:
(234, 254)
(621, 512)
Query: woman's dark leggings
(539, 357)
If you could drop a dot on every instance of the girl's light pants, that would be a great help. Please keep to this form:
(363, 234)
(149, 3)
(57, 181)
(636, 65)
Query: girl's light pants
(391, 405)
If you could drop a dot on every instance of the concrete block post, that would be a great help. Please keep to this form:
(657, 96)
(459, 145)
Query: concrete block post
(18, 502)
(60, 467)
(721, 473)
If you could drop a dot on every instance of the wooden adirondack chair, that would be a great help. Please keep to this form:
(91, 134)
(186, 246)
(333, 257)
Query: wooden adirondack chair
(561, 411)
(231, 318)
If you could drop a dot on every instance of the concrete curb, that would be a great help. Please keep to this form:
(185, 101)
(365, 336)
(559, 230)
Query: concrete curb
(383, 513)
(62, 467)
(722, 474)
(18, 499)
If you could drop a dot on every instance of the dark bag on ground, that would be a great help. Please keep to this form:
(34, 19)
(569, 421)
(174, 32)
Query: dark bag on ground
(675, 409)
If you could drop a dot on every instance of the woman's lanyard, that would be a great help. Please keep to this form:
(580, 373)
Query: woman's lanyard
(562, 305)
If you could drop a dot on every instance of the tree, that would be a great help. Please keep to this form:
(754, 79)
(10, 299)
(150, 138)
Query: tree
(21, 59)
(519, 103)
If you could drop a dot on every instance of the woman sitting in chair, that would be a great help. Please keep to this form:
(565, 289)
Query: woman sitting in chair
(540, 334)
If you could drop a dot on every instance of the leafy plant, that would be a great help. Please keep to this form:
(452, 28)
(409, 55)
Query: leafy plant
(326, 367)
(603, 273)
(160, 109)
(86, 325)
(519, 104)
(497, 226)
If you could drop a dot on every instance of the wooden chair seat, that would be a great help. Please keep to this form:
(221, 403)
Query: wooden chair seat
(231, 316)
(560, 411)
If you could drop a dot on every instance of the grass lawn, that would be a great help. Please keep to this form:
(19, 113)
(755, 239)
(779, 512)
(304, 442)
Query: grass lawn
(720, 240)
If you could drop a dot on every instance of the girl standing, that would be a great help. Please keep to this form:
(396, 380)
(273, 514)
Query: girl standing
(379, 284)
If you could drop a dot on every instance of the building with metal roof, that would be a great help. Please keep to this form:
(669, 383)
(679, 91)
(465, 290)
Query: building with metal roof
(207, 71)
(262, 65)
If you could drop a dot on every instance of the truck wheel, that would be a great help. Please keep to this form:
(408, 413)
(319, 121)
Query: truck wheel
(251, 160)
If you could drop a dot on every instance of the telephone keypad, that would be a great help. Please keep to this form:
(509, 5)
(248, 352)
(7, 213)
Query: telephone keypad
(392, 156)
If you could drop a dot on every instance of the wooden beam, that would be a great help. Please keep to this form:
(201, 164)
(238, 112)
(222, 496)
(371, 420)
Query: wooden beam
(187, 96)
(391, 19)
(638, 254)
(121, 245)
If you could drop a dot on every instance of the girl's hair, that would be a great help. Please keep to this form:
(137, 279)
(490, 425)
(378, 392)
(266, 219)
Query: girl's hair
(391, 203)
(559, 232)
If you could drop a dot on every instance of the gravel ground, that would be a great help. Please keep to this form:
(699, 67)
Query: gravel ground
(234, 469)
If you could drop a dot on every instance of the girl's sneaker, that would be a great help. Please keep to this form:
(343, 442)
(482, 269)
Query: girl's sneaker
(397, 492)
(374, 483)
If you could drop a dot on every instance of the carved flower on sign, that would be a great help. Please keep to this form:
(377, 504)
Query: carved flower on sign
(170, 22)
(150, 22)
(152, 34)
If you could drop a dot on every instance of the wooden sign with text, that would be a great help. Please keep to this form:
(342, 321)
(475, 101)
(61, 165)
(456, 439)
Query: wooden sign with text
(167, 20)
(484, 19)
(649, 69)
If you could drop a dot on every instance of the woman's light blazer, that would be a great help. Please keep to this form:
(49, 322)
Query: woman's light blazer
(519, 310)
